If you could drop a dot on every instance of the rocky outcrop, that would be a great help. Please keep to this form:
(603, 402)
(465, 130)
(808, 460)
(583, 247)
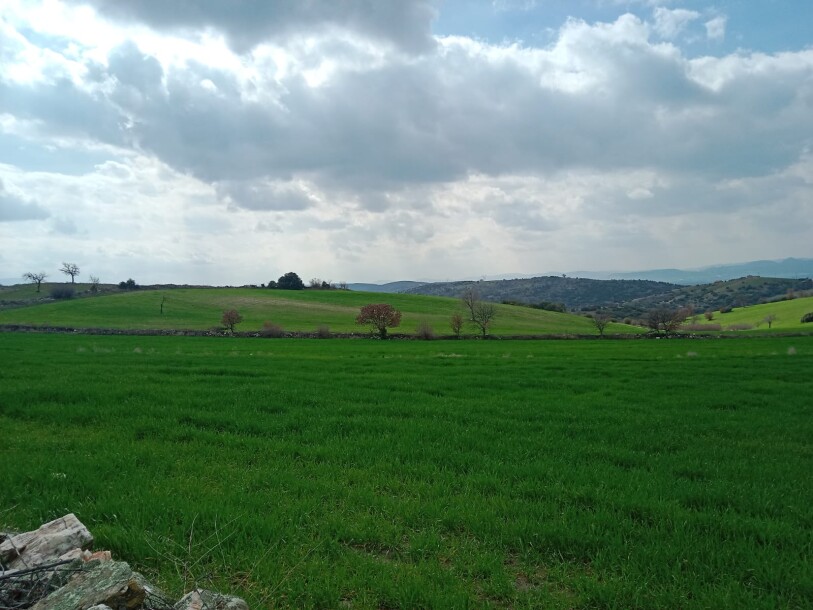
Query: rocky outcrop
(53, 568)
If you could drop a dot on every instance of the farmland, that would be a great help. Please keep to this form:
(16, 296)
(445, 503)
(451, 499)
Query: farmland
(447, 474)
(296, 310)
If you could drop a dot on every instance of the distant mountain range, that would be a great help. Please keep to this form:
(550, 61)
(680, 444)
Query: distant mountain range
(793, 268)
(389, 287)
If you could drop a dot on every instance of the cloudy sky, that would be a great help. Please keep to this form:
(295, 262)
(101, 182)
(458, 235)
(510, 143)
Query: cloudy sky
(231, 141)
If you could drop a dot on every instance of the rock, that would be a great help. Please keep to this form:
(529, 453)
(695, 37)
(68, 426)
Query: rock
(100, 607)
(108, 583)
(208, 600)
(46, 544)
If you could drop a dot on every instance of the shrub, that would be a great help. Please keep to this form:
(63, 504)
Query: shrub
(128, 285)
(808, 317)
(62, 292)
(424, 331)
(323, 332)
(456, 324)
(726, 309)
(272, 330)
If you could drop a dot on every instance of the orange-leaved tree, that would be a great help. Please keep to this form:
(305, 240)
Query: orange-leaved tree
(380, 316)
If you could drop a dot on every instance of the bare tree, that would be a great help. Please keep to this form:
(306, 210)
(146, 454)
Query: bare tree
(600, 321)
(665, 319)
(456, 323)
(35, 278)
(483, 316)
(70, 269)
(470, 297)
(94, 283)
(769, 319)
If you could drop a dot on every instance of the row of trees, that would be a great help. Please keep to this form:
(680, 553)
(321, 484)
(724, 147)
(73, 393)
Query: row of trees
(70, 269)
(292, 281)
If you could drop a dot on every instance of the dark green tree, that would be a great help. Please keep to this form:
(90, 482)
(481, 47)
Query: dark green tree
(290, 281)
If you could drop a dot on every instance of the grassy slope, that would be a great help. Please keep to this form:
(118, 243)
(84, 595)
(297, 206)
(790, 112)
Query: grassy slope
(788, 315)
(510, 474)
(197, 308)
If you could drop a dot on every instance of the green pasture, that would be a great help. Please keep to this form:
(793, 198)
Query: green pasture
(357, 473)
(294, 310)
(788, 315)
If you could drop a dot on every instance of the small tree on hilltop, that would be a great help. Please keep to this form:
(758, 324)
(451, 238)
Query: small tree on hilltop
(70, 269)
(94, 283)
(35, 278)
(769, 319)
(231, 318)
(380, 317)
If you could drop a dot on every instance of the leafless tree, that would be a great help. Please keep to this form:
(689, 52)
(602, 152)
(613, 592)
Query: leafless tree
(665, 320)
(769, 319)
(456, 323)
(70, 269)
(94, 283)
(35, 278)
(600, 321)
(483, 316)
(470, 298)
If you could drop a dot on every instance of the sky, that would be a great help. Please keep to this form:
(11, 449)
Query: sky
(229, 142)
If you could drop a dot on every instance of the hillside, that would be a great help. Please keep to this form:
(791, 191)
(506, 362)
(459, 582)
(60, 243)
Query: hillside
(389, 287)
(293, 310)
(627, 298)
(574, 293)
(784, 316)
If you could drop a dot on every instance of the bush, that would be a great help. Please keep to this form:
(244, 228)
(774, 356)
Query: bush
(272, 330)
(62, 292)
(726, 309)
(808, 317)
(424, 331)
(128, 285)
(323, 332)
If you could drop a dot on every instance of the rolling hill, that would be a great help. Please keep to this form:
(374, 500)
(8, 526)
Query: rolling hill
(293, 310)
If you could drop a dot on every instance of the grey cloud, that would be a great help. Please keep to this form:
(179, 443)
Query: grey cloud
(15, 208)
(403, 23)
(264, 196)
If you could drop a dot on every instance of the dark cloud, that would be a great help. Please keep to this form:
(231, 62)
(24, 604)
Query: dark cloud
(15, 208)
(403, 23)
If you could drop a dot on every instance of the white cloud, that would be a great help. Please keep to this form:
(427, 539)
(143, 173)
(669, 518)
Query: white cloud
(323, 149)
(670, 23)
(715, 28)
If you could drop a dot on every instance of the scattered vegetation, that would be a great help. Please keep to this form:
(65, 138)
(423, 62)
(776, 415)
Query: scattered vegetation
(59, 292)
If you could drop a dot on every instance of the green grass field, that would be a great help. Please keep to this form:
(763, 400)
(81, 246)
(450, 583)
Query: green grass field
(788, 315)
(201, 308)
(445, 474)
